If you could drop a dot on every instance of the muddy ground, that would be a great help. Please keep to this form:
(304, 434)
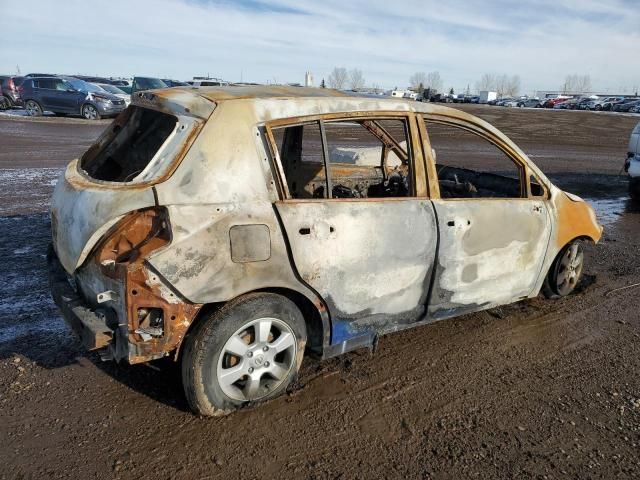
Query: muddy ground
(539, 389)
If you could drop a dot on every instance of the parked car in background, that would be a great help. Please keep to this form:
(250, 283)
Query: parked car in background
(68, 95)
(212, 82)
(11, 89)
(625, 105)
(117, 91)
(32, 75)
(170, 253)
(102, 80)
(140, 84)
(530, 103)
(608, 104)
(570, 104)
(4, 103)
(635, 109)
(502, 101)
(632, 163)
(472, 99)
(174, 83)
(552, 102)
(512, 102)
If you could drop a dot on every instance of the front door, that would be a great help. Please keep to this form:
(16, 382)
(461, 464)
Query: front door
(491, 253)
(493, 221)
(359, 236)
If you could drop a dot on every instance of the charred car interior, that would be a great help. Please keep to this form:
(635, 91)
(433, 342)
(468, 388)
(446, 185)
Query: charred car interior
(365, 159)
(132, 142)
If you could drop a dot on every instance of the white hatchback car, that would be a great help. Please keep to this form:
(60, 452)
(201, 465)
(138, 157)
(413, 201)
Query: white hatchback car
(236, 229)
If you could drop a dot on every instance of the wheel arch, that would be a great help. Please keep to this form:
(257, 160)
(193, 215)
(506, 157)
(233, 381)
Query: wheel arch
(313, 310)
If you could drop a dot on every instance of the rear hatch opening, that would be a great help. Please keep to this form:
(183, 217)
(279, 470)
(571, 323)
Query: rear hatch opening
(129, 146)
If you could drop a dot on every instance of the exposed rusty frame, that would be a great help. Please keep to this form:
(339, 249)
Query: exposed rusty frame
(418, 179)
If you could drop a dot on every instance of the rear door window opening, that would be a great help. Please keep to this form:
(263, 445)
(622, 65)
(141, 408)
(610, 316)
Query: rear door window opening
(130, 146)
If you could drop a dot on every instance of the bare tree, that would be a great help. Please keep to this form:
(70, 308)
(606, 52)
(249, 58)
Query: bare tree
(487, 82)
(512, 87)
(577, 84)
(356, 79)
(433, 82)
(504, 85)
(416, 79)
(338, 78)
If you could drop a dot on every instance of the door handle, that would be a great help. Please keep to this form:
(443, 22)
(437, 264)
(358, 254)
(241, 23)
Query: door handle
(307, 230)
(537, 208)
(452, 223)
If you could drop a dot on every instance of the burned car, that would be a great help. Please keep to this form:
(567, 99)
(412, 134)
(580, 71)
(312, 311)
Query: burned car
(237, 229)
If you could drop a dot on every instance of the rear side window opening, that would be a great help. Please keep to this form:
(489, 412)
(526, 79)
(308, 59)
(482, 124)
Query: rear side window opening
(130, 146)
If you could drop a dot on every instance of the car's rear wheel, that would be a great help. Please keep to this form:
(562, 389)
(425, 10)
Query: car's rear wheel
(634, 189)
(33, 108)
(247, 352)
(90, 112)
(598, 107)
(565, 272)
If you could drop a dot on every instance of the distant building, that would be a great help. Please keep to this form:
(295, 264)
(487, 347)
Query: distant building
(308, 79)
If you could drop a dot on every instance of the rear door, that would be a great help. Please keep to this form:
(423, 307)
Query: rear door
(361, 231)
(493, 221)
(46, 93)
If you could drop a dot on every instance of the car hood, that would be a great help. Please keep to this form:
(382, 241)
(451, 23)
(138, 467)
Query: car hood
(107, 95)
(82, 211)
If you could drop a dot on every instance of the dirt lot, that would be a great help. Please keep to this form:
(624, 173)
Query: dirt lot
(539, 389)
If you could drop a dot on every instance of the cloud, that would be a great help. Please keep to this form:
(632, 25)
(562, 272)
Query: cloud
(541, 40)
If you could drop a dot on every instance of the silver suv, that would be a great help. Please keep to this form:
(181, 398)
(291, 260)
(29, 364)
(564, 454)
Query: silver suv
(237, 229)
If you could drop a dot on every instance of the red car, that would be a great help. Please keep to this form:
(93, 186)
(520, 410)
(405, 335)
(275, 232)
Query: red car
(552, 102)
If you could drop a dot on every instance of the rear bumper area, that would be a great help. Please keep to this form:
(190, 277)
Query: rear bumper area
(90, 325)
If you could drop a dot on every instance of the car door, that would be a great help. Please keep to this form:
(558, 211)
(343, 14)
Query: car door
(493, 221)
(70, 98)
(47, 93)
(361, 231)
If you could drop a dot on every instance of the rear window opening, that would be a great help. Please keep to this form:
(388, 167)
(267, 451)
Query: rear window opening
(135, 138)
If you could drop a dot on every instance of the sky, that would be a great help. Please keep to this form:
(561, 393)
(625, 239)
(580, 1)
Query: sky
(263, 41)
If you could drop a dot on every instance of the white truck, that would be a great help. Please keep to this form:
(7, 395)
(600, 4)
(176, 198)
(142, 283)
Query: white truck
(632, 164)
(487, 96)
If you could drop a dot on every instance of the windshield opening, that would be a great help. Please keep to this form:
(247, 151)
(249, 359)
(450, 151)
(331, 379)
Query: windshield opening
(131, 146)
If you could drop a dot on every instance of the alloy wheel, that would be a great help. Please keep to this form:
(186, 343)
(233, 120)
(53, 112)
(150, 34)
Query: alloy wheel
(570, 269)
(89, 112)
(256, 359)
(33, 109)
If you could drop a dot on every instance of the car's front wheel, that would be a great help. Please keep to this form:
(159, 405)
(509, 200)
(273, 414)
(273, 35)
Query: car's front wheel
(90, 112)
(249, 351)
(33, 108)
(565, 272)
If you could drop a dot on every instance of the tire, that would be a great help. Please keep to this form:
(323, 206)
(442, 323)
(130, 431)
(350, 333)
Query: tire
(228, 363)
(33, 108)
(565, 272)
(634, 189)
(89, 112)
